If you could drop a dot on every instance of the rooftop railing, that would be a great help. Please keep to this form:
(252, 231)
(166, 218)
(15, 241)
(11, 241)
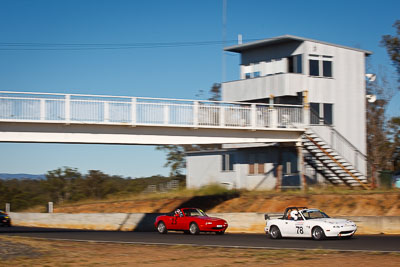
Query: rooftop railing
(143, 111)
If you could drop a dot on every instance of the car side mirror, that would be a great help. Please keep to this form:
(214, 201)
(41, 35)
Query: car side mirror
(266, 217)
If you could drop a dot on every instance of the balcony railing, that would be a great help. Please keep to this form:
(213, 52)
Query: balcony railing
(140, 111)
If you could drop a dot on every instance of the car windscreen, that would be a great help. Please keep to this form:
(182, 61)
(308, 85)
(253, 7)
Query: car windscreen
(194, 212)
(314, 214)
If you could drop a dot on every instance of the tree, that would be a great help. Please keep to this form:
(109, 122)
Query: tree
(60, 183)
(379, 147)
(175, 157)
(394, 137)
(392, 44)
(215, 92)
(98, 185)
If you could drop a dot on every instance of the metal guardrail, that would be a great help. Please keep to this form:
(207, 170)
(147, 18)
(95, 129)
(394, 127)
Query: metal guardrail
(136, 111)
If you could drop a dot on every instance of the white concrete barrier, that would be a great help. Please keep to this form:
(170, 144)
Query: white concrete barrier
(243, 222)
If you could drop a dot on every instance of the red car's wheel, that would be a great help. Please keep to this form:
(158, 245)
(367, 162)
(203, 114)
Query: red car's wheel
(161, 228)
(194, 229)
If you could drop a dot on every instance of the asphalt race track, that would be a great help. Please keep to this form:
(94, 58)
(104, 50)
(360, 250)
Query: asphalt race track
(382, 243)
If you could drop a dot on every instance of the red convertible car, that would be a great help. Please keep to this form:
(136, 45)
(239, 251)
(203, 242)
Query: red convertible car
(190, 220)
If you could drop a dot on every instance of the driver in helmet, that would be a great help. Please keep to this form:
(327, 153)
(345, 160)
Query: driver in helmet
(294, 214)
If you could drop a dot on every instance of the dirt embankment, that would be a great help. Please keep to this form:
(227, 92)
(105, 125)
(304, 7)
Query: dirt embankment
(374, 204)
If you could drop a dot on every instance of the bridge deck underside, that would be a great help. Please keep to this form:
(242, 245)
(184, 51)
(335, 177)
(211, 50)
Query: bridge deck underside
(143, 135)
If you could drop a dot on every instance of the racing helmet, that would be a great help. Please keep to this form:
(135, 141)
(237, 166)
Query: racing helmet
(294, 214)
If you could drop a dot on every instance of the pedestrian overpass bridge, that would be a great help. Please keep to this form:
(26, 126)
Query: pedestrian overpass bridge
(85, 119)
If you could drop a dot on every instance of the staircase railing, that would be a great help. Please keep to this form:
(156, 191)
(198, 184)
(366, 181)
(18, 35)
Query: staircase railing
(338, 142)
(338, 163)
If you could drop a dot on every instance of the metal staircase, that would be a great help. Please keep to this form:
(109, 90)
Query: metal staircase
(327, 162)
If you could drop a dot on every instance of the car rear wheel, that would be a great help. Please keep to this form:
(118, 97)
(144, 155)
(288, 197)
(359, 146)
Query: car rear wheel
(161, 228)
(318, 233)
(274, 232)
(194, 229)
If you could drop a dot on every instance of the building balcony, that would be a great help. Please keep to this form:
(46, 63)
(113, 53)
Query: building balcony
(281, 84)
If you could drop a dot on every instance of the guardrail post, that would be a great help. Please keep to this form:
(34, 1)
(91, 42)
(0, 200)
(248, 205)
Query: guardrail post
(106, 112)
(50, 207)
(195, 113)
(166, 114)
(222, 116)
(67, 109)
(8, 207)
(133, 111)
(42, 109)
(253, 116)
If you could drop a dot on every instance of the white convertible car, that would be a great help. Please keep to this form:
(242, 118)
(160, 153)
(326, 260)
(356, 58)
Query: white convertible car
(304, 222)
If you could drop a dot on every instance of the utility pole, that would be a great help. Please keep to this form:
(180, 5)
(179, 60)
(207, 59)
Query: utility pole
(224, 3)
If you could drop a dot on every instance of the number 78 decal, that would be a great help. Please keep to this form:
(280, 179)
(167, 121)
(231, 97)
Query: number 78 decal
(300, 230)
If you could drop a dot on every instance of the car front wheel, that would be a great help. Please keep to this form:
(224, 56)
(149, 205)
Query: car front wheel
(274, 232)
(194, 229)
(161, 228)
(318, 233)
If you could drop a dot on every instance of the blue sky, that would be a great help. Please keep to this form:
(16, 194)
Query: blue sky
(174, 72)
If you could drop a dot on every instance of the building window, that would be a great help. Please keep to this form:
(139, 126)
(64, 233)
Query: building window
(256, 74)
(320, 67)
(321, 113)
(295, 64)
(227, 162)
(314, 113)
(248, 75)
(328, 117)
(314, 67)
(327, 68)
(256, 164)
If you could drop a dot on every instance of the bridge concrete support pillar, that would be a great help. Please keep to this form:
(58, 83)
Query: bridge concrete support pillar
(300, 163)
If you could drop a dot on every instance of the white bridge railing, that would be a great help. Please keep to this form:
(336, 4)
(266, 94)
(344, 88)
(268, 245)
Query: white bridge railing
(137, 111)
